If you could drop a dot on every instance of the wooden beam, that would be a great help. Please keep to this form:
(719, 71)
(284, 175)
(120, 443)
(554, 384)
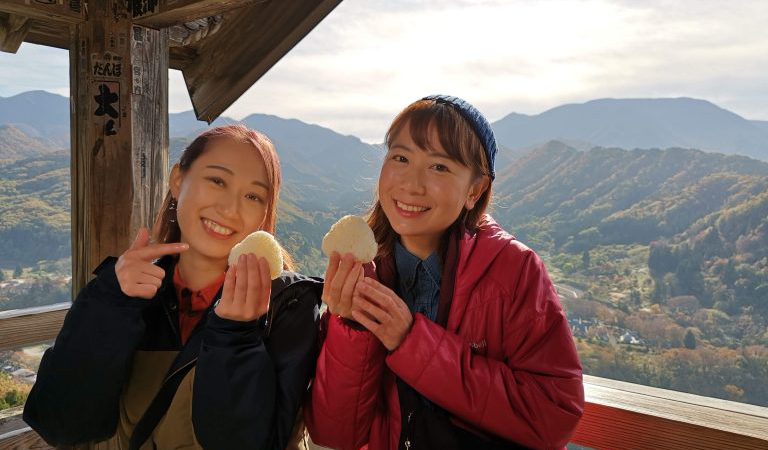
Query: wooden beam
(222, 72)
(31, 326)
(181, 57)
(13, 30)
(119, 128)
(167, 13)
(69, 12)
(621, 415)
(49, 34)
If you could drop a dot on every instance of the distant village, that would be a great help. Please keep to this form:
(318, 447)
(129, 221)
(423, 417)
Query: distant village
(594, 329)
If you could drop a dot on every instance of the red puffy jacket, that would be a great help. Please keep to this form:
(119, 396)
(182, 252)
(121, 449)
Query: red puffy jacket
(506, 365)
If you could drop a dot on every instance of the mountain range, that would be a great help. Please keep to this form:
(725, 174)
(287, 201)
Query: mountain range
(557, 196)
(623, 123)
(639, 123)
(651, 217)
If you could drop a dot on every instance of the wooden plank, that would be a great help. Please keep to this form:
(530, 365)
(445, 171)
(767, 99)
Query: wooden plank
(594, 384)
(167, 13)
(622, 415)
(19, 436)
(616, 417)
(23, 439)
(10, 419)
(603, 427)
(25, 327)
(221, 73)
(119, 128)
(13, 30)
(69, 12)
(149, 109)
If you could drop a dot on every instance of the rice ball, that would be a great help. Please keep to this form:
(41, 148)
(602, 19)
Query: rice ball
(351, 234)
(263, 245)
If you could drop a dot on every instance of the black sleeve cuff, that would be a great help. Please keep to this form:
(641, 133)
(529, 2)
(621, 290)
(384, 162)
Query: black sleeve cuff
(225, 332)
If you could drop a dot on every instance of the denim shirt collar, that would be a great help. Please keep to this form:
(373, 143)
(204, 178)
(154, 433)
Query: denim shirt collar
(408, 264)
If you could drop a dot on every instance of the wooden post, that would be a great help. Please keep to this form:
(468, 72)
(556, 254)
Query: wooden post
(119, 129)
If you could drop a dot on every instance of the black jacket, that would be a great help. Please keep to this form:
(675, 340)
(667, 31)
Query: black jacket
(249, 381)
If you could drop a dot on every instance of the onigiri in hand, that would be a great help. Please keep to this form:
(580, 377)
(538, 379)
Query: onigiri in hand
(351, 234)
(263, 245)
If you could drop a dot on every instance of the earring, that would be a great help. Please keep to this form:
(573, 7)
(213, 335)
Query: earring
(172, 210)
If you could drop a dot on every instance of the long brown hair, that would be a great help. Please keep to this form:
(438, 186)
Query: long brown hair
(461, 143)
(166, 228)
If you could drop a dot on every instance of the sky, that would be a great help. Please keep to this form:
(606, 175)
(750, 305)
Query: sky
(370, 58)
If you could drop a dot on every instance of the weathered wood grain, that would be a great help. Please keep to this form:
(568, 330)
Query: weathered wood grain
(222, 72)
(21, 328)
(624, 416)
(176, 12)
(69, 12)
(13, 30)
(119, 127)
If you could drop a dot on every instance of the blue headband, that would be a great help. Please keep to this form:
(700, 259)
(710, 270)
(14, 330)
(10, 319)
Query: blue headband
(478, 123)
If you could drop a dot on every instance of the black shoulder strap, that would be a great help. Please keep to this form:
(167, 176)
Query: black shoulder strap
(181, 367)
(162, 401)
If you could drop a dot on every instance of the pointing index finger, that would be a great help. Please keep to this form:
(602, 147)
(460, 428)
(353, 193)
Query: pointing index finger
(157, 250)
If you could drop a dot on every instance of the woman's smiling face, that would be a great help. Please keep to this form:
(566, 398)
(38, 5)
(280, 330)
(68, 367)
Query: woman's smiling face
(423, 191)
(222, 198)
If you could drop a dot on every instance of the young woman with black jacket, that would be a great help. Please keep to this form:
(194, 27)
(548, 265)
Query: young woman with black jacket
(168, 347)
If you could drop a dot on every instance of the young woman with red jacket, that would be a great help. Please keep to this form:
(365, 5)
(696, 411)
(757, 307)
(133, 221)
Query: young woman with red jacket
(456, 339)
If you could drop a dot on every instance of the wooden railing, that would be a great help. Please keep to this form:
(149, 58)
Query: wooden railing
(618, 415)
(31, 326)
(621, 415)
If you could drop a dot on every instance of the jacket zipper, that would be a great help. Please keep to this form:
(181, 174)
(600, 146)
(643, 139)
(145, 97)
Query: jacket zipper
(407, 442)
(172, 325)
(162, 296)
(271, 317)
(276, 305)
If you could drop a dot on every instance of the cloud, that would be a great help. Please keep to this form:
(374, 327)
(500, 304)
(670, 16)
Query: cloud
(369, 59)
(34, 67)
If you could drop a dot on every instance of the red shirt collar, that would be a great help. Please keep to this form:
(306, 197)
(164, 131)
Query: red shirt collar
(192, 302)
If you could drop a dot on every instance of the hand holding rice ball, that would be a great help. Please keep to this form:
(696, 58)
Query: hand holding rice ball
(349, 244)
(247, 289)
(263, 245)
(351, 234)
